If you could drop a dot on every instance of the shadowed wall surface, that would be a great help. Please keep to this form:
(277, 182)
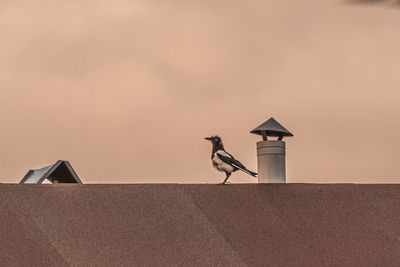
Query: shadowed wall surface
(126, 90)
(198, 225)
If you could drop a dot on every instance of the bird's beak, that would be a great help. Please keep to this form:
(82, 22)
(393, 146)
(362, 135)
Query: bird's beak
(208, 138)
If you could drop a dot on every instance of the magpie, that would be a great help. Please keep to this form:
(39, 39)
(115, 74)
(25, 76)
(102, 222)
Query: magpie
(223, 161)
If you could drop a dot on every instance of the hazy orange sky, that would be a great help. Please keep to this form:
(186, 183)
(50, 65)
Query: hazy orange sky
(126, 90)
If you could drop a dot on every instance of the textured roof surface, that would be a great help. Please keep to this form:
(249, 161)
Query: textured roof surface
(197, 225)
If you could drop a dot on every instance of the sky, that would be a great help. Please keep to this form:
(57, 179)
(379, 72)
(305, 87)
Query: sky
(127, 90)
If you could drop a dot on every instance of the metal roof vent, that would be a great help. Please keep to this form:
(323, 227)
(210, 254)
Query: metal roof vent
(271, 154)
(59, 172)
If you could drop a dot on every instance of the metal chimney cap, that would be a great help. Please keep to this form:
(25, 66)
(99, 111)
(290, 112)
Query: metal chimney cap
(271, 128)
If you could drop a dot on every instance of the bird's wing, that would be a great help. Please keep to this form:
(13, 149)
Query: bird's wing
(229, 159)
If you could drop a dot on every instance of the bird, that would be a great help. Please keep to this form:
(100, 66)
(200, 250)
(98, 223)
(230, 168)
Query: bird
(223, 161)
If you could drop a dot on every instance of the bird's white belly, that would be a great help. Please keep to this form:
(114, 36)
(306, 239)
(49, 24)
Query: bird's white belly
(221, 166)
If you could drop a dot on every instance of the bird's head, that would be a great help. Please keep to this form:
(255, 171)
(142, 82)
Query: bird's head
(215, 140)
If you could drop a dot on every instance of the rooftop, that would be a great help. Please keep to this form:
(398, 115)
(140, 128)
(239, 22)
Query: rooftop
(197, 225)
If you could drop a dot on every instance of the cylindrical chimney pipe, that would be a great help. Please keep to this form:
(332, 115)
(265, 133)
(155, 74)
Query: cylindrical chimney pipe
(271, 161)
(271, 153)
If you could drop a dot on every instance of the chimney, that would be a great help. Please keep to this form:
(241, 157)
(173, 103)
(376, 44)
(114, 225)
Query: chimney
(271, 154)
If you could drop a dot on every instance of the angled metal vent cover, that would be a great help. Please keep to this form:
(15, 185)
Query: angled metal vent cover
(59, 172)
(271, 128)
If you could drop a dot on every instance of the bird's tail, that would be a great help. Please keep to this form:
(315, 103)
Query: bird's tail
(245, 170)
(254, 174)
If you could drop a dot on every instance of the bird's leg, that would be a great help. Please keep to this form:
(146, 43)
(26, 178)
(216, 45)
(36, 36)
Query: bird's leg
(226, 179)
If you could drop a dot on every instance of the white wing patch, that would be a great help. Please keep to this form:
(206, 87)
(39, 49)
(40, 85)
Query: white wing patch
(223, 153)
(219, 164)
